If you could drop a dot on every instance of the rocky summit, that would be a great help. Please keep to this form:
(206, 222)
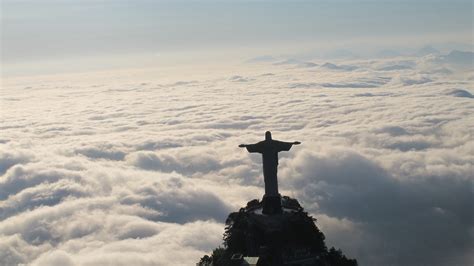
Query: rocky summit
(287, 237)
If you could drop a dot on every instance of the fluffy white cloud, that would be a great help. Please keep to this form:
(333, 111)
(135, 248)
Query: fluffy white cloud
(113, 170)
(10, 158)
(349, 186)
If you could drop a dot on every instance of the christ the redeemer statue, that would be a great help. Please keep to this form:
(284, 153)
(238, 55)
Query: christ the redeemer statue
(269, 149)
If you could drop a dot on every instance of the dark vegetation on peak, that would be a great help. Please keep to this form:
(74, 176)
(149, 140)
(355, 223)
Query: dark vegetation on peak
(288, 238)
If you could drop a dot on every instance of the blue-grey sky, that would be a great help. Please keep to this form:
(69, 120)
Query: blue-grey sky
(62, 29)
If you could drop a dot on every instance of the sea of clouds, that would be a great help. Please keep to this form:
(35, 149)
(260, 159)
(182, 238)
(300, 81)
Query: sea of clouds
(101, 171)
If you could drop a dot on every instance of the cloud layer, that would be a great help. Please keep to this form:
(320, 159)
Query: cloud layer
(102, 170)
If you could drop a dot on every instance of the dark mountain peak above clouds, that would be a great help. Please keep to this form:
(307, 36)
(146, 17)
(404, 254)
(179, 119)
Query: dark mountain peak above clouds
(237, 78)
(339, 67)
(288, 238)
(307, 64)
(459, 57)
(427, 50)
(296, 62)
(329, 65)
(290, 61)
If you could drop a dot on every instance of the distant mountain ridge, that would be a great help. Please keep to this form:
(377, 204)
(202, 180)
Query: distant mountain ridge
(457, 57)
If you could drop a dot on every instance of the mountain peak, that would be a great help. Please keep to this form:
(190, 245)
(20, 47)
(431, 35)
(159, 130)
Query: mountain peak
(290, 237)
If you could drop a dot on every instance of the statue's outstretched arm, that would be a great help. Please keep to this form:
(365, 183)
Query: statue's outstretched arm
(285, 146)
(257, 147)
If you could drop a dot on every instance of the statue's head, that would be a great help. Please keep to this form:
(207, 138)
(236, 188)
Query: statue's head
(268, 135)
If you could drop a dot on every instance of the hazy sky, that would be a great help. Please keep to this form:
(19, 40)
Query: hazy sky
(60, 30)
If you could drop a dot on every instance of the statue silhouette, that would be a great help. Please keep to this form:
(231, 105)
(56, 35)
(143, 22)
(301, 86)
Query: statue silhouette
(269, 149)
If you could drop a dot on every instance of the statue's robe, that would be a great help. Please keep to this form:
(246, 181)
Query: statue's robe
(269, 150)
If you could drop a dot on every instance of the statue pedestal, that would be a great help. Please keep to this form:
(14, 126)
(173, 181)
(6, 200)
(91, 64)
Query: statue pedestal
(271, 205)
